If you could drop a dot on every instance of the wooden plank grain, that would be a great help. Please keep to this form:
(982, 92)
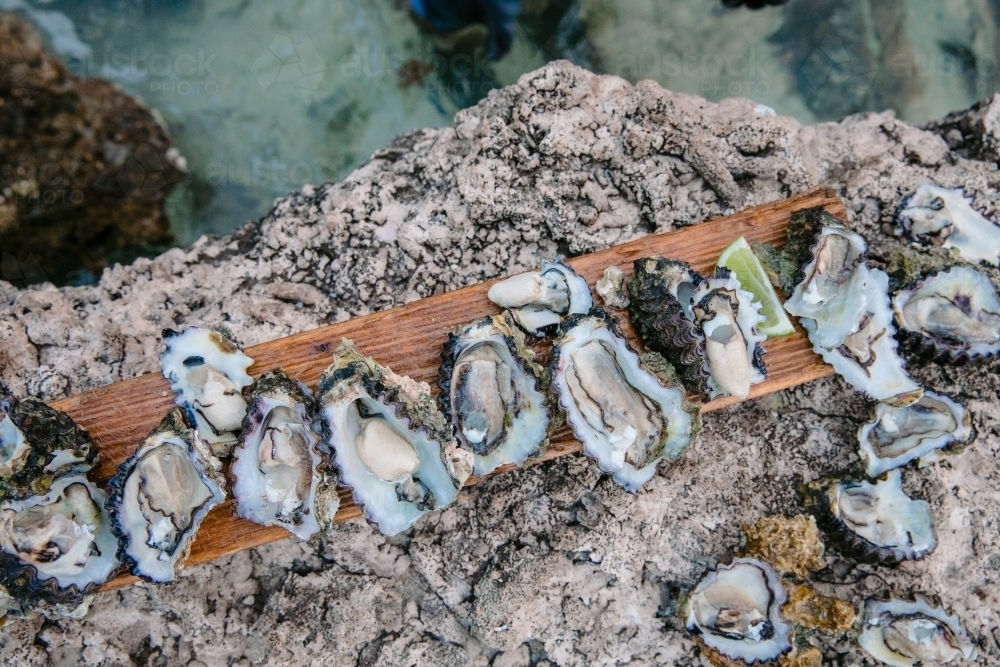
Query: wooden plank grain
(409, 339)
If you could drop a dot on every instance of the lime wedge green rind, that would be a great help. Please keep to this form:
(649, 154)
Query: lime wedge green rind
(740, 259)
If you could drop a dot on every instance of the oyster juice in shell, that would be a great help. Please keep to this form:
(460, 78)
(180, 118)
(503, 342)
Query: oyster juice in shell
(875, 521)
(393, 448)
(538, 300)
(57, 547)
(37, 444)
(207, 371)
(911, 633)
(626, 418)
(938, 216)
(160, 496)
(279, 476)
(953, 315)
(917, 431)
(491, 392)
(735, 610)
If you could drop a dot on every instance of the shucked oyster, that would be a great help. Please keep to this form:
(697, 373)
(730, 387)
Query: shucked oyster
(56, 548)
(37, 444)
(160, 496)
(953, 315)
(875, 521)
(911, 633)
(735, 610)
(868, 358)
(393, 448)
(207, 371)
(918, 431)
(937, 216)
(662, 308)
(626, 418)
(491, 392)
(538, 300)
(279, 476)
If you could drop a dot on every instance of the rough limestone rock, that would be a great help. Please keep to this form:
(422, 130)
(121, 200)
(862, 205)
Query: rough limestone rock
(553, 565)
(84, 168)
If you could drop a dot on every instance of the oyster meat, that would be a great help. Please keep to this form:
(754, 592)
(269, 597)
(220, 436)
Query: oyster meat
(953, 315)
(875, 521)
(492, 393)
(37, 444)
(918, 431)
(626, 417)
(868, 358)
(911, 633)
(735, 610)
(57, 547)
(280, 478)
(393, 448)
(539, 300)
(938, 216)
(662, 308)
(207, 371)
(160, 496)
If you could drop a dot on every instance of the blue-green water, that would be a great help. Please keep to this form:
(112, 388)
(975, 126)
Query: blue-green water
(264, 97)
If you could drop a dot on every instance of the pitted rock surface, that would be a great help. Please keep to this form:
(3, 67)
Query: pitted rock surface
(552, 565)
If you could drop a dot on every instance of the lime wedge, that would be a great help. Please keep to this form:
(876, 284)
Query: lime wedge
(739, 259)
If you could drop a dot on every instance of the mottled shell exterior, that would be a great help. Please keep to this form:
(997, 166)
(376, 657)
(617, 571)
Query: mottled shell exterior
(47, 432)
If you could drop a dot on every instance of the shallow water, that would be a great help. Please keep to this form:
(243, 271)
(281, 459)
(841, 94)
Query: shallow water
(264, 97)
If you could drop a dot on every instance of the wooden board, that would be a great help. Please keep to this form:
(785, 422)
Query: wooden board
(409, 339)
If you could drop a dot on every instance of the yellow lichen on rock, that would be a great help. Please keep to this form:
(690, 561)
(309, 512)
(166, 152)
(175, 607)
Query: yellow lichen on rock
(809, 609)
(791, 545)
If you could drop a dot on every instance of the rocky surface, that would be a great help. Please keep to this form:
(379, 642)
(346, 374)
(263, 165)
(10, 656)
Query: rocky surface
(552, 565)
(84, 168)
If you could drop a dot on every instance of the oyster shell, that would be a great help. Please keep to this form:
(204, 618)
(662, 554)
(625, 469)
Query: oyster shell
(57, 547)
(868, 358)
(37, 444)
(917, 431)
(735, 610)
(539, 300)
(938, 216)
(393, 448)
(626, 417)
(611, 288)
(910, 633)
(662, 308)
(491, 393)
(953, 315)
(280, 478)
(160, 496)
(207, 371)
(877, 521)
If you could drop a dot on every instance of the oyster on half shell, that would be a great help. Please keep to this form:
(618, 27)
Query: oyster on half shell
(37, 444)
(492, 392)
(57, 547)
(911, 633)
(627, 418)
(207, 371)
(735, 610)
(280, 477)
(539, 300)
(160, 496)
(394, 449)
(953, 315)
(874, 521)
(918, 431)
(934, 215)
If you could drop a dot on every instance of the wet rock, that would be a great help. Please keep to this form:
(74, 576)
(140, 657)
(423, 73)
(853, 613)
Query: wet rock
(84, 168)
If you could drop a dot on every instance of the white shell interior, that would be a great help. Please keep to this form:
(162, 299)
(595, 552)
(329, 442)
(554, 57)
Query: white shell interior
(276, 468)
(14, 448)
(917, 431)
(607, 429)
(945, 217)
(905, 633)
(538, 299)
(167, 493)
(65, 534)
